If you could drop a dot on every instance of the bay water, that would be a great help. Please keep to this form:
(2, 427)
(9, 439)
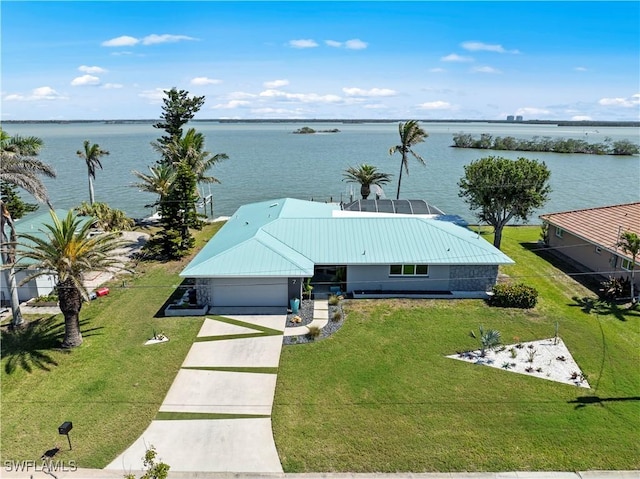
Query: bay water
(267, 161)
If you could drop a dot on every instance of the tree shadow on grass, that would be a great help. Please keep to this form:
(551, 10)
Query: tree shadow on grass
(605, 308)
(29, 346)
(585, 401)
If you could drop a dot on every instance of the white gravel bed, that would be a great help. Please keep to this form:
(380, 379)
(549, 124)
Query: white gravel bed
(545, 359)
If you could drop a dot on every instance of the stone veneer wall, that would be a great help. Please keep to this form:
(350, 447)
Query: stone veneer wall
(472, 278)
(202, 291)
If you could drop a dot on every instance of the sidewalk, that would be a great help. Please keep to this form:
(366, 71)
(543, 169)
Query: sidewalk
(104, 474)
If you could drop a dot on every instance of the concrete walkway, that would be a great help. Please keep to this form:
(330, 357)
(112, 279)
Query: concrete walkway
(216, 416)
(320, 319)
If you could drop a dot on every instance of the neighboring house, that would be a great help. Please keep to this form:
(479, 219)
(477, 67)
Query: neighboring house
(43, 285)
(264, 252)
(590, 237)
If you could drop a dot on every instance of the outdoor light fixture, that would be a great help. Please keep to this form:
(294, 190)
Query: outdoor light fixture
(64, 428)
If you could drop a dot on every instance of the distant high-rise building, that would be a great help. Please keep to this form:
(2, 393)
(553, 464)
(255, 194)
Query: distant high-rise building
(519, 118)
(509, 117)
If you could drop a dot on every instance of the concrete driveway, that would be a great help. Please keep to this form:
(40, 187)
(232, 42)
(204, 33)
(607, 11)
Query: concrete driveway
(216, 416)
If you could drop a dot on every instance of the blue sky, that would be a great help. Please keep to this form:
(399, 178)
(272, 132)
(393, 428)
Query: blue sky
(419, 60)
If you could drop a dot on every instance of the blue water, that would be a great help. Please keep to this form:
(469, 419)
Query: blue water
(267, 161)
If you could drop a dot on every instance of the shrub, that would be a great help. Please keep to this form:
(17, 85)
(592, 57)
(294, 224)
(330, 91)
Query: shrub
(337, 316)
(314, 332)
(334, 300)
(517, 295)
(615, 288)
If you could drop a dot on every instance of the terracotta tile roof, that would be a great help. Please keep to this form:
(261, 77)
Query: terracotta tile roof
(600, 226)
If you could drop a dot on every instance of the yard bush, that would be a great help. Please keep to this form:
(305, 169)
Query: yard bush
(516, 295)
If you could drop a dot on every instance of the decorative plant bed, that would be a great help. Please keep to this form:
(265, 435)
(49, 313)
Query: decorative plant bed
(186, 310)
(43, 304)
(545, 359)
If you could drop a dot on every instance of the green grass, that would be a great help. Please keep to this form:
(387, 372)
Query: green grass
(111, 387)
(380, 395)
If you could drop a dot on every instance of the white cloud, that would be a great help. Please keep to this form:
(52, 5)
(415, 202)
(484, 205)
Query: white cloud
(454, 57)
(85, 80)
(275, 84)
(333, 43)
(276, 111)
(581, 69)
(301, 97)
(123, 41)
(373, 92)
(435, 105)
(485, 47)
(240, 95)
(155, 96)
(486, 69)
(632, 101)
(529, 111)
(91, 70)
(303, 43)
(154, 39)
(112, 86)
(437, 70)
(205, 81)
(581, 118)
(232, 104)
(375, 106)
(37, 94)
(355, 44)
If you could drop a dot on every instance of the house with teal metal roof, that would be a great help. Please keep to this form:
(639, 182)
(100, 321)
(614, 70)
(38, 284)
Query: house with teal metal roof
(264, 253)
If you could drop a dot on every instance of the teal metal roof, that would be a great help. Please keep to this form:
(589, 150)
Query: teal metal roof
(288, 237)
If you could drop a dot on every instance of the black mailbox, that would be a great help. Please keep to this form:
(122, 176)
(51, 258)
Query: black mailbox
(65, 427)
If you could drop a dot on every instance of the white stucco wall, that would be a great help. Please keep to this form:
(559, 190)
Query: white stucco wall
(40, 286)
(376, 277)
(248, 292)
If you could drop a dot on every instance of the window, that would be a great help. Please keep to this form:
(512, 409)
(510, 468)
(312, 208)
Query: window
(559, 232)
(626, 264)
(409, 270)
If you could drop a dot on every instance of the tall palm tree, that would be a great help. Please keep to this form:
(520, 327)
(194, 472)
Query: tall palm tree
(366, 175)
(410, 135)
(158, 181)
(68, 251)
(630, 244)
(91, 155)
(190, 148)
(19, 167)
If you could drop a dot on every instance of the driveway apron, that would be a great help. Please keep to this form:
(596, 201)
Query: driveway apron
(216, 416)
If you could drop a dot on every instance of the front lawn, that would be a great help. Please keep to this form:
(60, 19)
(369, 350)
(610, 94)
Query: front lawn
(379, 395)
(111, 387)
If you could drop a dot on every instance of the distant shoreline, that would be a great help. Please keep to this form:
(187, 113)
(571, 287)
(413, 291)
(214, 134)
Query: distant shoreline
(342, 121)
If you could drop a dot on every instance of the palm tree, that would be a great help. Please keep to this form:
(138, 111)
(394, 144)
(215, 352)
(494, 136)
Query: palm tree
(190, 148)
(19, 167)
(410, 134)
(158, 181)
(68, 251)
(91, 155)
(488, 340)
(366, 175)
(630, 244)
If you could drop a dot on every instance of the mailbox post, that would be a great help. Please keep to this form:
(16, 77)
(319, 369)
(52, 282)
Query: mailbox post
(64, 429)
